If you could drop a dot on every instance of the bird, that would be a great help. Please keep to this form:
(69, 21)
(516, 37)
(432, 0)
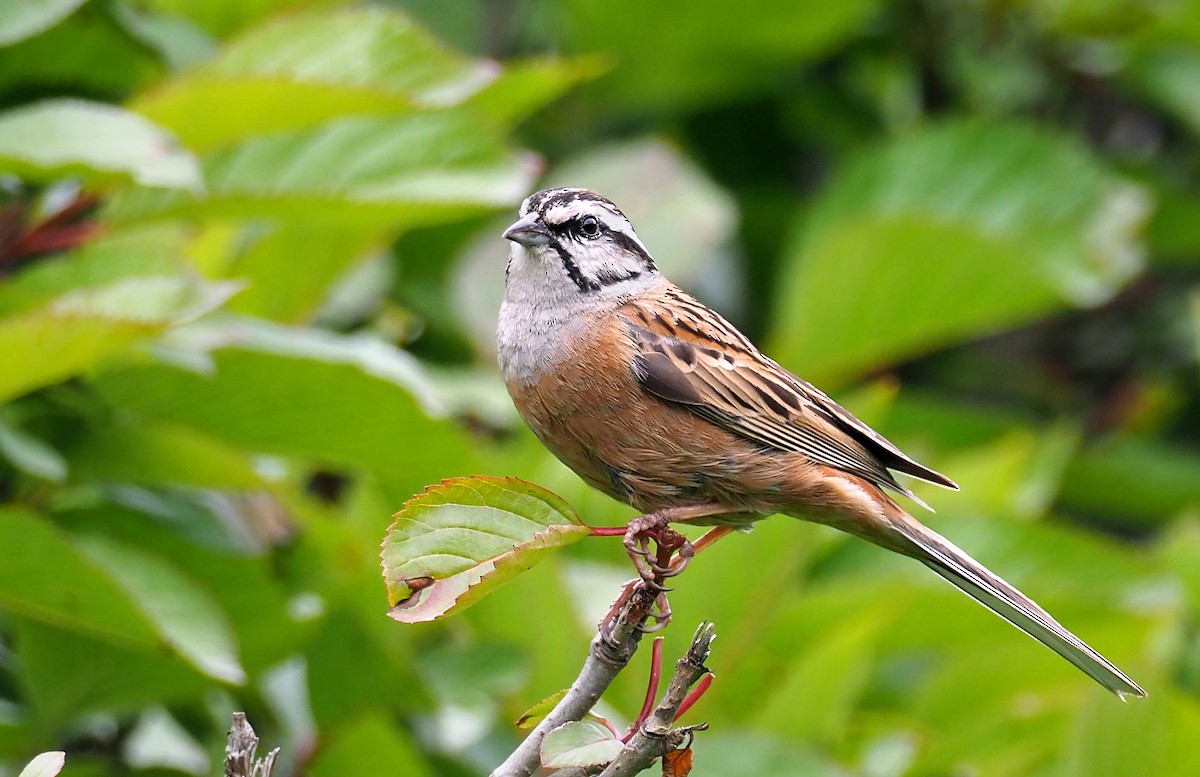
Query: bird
(657, 401)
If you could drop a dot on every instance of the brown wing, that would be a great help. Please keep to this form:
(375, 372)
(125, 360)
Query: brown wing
(690, 355)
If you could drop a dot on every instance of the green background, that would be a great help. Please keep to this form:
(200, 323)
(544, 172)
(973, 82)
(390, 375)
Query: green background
(249, 272)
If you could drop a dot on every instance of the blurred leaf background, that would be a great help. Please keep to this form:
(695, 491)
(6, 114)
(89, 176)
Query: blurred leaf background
(249, 272)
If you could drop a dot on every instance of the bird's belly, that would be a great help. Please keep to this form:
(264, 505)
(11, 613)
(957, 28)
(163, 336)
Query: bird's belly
(591, 412)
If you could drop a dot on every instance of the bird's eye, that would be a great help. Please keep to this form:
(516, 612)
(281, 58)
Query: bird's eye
(590, 227)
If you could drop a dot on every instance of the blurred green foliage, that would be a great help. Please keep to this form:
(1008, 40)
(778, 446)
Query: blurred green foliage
(249, 270)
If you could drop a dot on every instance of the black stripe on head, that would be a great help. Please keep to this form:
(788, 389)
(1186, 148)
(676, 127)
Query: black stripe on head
(627, 243)
(549, 198)
(573, 271)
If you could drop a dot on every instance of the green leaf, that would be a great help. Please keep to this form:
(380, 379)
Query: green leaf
(154, 250)
(341, 400)
(63, 59)
(580, 743)
(732, 753)
(20, 19)
(45, 578)
(182, 612)
(677, 53)
(303, 70)
(532, 716)
(373, 744)
(83, 328)
(382, 172)
(45, 765)
(148, 453)
(460, 540)
(833, 669)
(1134, 482)
(97, 142)
(1170, 77)
(69, 674)
(527, 85)
(290, 269)
(1016, 221)
(1150, 736)
(224, 17)
(29, 454)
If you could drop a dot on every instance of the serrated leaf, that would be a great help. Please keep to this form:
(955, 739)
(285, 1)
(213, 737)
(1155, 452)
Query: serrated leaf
(580, 743)
(458, 541)
(97, 142)
(20, 19)
(182, 612)
(1018, 221)
(385, 172)
(45, 765)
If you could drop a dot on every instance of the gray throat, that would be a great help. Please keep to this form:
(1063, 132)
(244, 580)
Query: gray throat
(543, 317)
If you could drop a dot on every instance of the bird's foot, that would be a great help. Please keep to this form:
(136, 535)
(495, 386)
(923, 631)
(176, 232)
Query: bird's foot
(670, 555)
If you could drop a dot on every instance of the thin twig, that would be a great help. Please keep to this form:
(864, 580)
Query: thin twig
(240, 749)
(656, 736)
(615, 643)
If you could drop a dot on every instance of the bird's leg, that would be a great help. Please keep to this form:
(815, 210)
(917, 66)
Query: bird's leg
(672, 550)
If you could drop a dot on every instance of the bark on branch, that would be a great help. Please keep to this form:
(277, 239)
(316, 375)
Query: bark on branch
(614, 645)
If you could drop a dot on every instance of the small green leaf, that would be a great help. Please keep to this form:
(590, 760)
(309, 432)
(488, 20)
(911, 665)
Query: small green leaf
(459, 540)
(580, 743)
(532, 716)
(97, 142)
(45, 765)
(20, 19)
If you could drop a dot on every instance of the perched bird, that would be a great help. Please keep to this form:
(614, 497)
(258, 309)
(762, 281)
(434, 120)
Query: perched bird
(658, 401)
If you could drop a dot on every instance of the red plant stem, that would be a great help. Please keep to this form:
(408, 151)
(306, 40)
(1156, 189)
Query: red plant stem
(694, 695)
(656, 650)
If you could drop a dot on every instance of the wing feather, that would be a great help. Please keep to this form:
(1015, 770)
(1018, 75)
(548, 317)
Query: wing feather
(689, 355)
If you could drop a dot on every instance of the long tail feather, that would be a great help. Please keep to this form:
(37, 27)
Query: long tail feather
(940, 555)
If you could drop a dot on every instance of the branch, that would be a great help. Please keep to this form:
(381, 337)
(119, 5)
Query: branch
(240, 749)
(615, 643)
(655, 737)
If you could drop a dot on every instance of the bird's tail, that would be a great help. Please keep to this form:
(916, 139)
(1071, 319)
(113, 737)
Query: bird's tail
(971, 577)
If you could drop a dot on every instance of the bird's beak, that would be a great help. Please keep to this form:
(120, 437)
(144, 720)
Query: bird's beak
(528, 231)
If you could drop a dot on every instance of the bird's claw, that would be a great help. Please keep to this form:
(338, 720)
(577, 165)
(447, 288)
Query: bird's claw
(661, 615)
(671, 554)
